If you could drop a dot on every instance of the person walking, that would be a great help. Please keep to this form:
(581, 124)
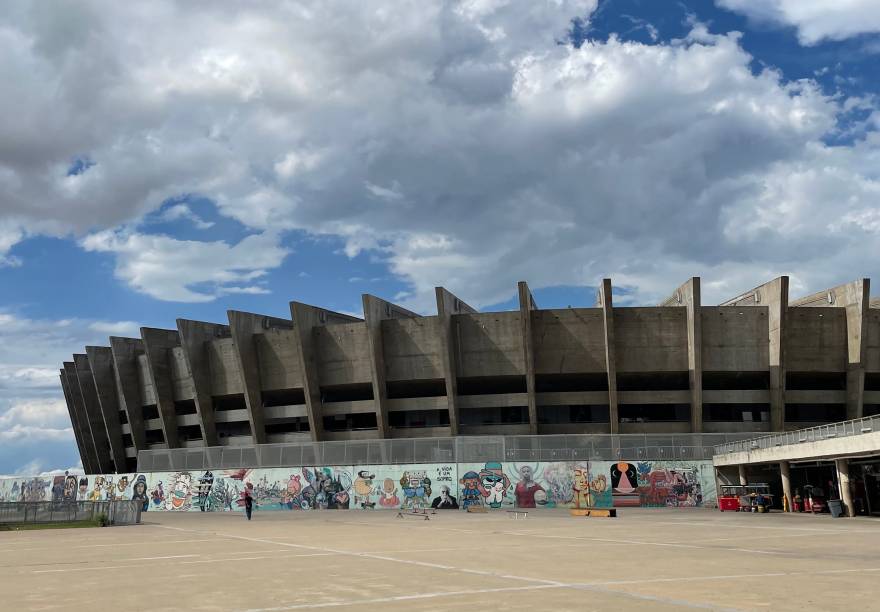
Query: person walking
(248, 502)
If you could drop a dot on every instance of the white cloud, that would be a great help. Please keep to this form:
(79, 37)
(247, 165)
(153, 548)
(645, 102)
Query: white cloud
(182, 211)
(169, 269)
(455, 140)
(815, 20)
(116, 328)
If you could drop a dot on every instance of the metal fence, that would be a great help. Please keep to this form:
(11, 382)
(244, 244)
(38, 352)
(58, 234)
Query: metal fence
(843, 429)
(123, 512)
(462, 449)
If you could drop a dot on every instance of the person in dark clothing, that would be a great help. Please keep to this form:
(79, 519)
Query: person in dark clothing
(248, 503)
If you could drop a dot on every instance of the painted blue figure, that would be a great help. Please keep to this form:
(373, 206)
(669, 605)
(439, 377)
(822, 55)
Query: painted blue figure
(471, 492)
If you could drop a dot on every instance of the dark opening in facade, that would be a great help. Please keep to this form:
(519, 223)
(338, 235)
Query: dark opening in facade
(223, 403)
(154, 436)
(403, 389)
(815, 413)
(736, 413)
(736, 381)
(507, 415)
(489, 385)
(653, 381)
(347, 393)
(418, 418)
(816, 381)
(294, 425)
(654, 413)
(581, 413)
(182, 407)
(150, 412)
(548, 383)
(189, 432)
(283, 397)
(350, 422)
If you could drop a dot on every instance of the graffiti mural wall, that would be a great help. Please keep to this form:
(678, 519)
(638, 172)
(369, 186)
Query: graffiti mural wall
(493, 485)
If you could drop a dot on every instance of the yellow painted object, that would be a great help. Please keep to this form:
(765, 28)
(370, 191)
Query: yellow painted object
(477, 509)
(597, 512)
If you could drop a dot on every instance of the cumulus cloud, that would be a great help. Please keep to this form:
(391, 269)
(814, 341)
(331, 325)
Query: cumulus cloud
(457, 141)
(815, 20)
(167, 269)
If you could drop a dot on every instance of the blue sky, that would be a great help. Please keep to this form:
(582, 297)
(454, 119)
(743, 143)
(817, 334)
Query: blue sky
(300, 155)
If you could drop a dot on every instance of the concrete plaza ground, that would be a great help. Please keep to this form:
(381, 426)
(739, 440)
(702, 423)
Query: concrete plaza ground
(643, 560)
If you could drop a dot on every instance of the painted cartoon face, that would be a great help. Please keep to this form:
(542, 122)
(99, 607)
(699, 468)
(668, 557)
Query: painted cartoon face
(388, 486)
(599, 484)
(69, 487)
(471, 483)
(526, 473)
(293, 485)
(83, 486)
(139, 490)
(122, 485)
(181, 490)
(581, 479)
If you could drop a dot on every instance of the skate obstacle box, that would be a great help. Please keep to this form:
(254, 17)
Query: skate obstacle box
(477, 509)
(419, 513)
(597, 512)
(515, 514)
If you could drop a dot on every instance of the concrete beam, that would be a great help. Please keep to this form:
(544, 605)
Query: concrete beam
(90, 457)
(605, 301)
(526, 306)
(774, 295)
(125, 353)
(377, 310)
(855, 297)
(101, 362)
(448, 305)
(193, 336)
(305, 319)
(688, 295)
(157, 346)
(93, 412)
(865, 444)
(73, 422)
(242, 327)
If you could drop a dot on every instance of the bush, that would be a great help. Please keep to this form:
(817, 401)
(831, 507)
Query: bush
(103, 520)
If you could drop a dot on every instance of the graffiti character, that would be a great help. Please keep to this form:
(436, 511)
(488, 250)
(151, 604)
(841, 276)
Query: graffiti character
(97, 491)
(291, 492)
(416, 489)
(121, 486)
(139, 492)
(363, 488)
(206, 481)
(444, 501)
(58, 488)
(108, 488)
(388, 494)
(158, 495)
(83, 488)
(624, 478)
(581, 487)
(69, 493)
(471, 492)
(495, 483)
(526, 488)
(180, 495)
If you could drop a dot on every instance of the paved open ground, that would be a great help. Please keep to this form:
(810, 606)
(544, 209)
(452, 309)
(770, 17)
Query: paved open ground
(643, 560)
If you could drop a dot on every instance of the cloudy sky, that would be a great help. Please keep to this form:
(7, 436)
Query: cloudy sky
(178, 159)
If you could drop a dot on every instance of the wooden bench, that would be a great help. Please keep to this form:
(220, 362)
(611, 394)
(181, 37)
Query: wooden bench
(419, 514)
(517, 513)
(598, 512)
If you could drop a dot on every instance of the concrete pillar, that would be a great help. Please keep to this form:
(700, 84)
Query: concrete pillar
(125, 353)
(157, 346)
(193, 336)
(842, 466)
(688, 295)
(89, 457)
(773, 295)
(101, 362)
(605, 301)
(73, 422)
(855, 297)
(526, 306)
(377, 310)
(243, 326)
(93, 411)
(305, 319)
(743, 479)
(785, 472)
(447, 306)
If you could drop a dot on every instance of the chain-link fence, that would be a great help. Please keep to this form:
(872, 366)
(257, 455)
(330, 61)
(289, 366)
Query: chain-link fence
(122, 512)
(462, 449)
(810, 434)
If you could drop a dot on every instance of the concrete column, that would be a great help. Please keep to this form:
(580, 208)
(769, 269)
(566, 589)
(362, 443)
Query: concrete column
(785, 472)
(773, 295)
(447, 306)
(243, 326)
(101, 362)
(377, 310)
(605, 301)
(93, 411)
(688, 295)
(743, 479)
(526, 306)
(157, 346)
(855, 297)
(125, 353)
(90, 456)
(73, 422)
(305, 319)
(842, 466)
(193, 336)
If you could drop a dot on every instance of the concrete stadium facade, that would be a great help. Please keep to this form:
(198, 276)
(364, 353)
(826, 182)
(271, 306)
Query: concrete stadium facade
(756, 363)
